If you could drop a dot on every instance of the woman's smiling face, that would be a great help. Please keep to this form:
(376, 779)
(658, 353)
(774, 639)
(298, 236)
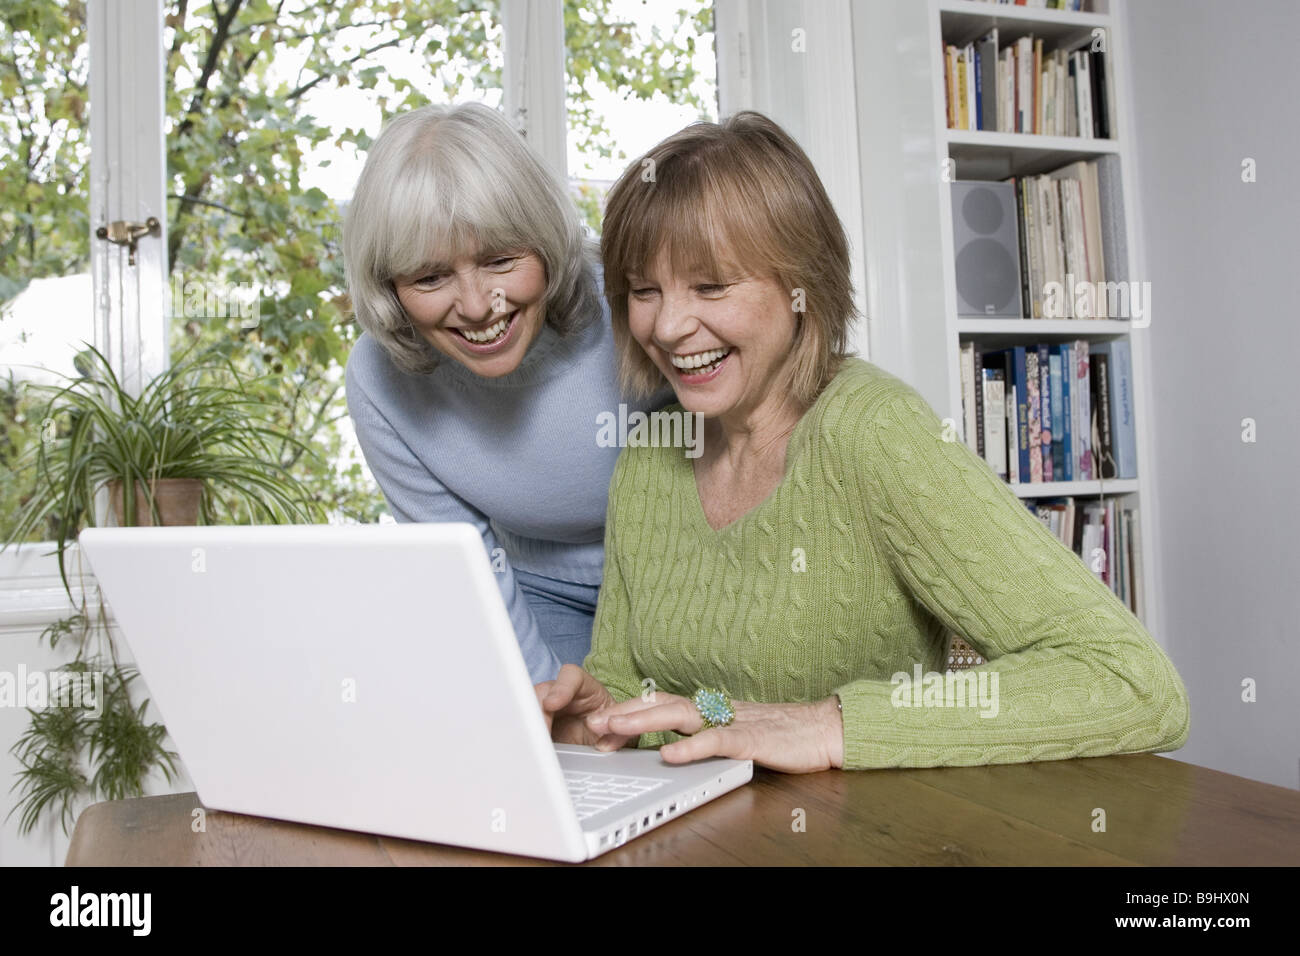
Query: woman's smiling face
(484, 311)
(720, 340)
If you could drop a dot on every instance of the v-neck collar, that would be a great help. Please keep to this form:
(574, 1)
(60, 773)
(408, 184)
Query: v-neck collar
(794, 449)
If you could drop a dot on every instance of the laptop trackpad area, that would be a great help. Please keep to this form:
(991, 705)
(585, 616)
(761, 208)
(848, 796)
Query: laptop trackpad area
(600, 782)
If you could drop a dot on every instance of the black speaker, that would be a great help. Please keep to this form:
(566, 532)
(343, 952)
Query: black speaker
(987, 248)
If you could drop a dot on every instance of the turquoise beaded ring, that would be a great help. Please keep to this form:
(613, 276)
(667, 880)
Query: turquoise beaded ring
(714, 706)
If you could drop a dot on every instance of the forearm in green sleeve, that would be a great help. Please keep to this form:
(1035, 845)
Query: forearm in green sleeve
(1070, 673)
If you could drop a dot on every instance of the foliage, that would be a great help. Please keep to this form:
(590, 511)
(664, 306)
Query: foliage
(608, 54)
(20, 428)
(196, 419)
(240, 130)
(101, 748)
(243, 75)
(44, 229)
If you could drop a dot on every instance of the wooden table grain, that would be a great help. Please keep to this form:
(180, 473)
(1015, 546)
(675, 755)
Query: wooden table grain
(1157, 812)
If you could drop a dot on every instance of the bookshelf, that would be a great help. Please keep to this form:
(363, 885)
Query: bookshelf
(978, 154)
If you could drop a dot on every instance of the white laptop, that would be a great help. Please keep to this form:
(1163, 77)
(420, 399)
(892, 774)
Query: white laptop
(367, 677)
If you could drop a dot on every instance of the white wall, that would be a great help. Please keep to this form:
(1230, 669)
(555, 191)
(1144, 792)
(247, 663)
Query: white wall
(1212, 84)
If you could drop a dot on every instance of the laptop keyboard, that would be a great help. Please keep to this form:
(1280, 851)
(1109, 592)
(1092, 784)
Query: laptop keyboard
(594, 793)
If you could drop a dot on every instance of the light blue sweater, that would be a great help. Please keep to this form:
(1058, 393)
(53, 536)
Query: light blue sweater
(515, 456)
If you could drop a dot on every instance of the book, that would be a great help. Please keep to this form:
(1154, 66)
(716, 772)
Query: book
(1035, 406)
(986, 68)
(1006, 108)
(1121, 556)
(962, 108)
(1024, 85)
(1100, 98)
(1064, 411)
(968, 54)
(1085, 97)
(1102, 440)
(1065, 428)
(1020, 377)
(950, 83)
(1120, 379)
(1057, 240)
(1080, 391)
(968, 396)
(1038, 84)
(1108, 511)
(1045, 432)
(995, 421)
(1110, 221)
(1013, 454)
(1026, 299)
(1093, 243)
(1035, 250)
(1045, 215)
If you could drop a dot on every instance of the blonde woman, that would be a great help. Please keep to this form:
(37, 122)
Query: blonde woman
(774, 598)
(486, 361)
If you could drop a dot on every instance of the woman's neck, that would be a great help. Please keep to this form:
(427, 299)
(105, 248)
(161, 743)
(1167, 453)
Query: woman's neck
(754, 438)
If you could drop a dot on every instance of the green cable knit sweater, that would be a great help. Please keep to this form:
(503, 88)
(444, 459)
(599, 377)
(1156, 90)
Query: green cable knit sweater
(881, 537)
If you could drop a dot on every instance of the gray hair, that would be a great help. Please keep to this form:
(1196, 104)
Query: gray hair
(444, 181)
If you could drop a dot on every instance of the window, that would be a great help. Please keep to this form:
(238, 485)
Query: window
(45, 296)
(267, 114)
(636, 73)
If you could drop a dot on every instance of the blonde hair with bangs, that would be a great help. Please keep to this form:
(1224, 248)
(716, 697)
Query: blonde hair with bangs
(740, 196)
(445, 181)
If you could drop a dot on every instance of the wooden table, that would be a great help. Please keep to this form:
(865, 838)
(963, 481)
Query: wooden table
(1158, 811)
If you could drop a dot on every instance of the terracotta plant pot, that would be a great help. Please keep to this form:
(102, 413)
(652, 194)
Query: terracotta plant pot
(178, 501)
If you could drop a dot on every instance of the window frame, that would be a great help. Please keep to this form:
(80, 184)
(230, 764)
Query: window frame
(127, 181)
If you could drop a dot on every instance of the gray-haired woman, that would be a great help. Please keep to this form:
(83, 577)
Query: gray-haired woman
(486, 362)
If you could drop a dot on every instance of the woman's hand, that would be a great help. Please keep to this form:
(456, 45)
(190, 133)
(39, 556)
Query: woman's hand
(792, 738)
(566, 703)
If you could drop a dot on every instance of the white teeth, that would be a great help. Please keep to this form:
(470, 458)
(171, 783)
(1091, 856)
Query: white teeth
(492, 332)
(700, 359)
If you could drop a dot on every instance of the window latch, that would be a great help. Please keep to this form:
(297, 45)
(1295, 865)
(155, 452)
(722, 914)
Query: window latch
(127, 234)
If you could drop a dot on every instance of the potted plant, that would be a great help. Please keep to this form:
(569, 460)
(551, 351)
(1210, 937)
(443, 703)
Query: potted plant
(193, 446)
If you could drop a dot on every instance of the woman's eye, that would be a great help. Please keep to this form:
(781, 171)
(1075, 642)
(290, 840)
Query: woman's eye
(642, 293)
(501, 262)
(433, 278)
(711, 289)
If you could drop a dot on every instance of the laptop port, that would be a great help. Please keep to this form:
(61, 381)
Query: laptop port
(659, 814)
(672, 808)
(645, 821)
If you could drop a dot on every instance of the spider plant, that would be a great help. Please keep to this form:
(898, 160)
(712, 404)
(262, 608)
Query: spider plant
(196, 420)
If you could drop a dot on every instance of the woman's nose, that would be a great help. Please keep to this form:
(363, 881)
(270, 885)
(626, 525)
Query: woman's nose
(476, 295)
(675, 319)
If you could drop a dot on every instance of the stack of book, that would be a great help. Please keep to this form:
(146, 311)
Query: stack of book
(1023, 88)
(1059, 412)
(1071, 236)
(1105, 535)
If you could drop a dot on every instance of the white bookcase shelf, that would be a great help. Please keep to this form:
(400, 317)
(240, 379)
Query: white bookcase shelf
(1056, 489)
(983, 154)
(974, 16)
(1001, 333)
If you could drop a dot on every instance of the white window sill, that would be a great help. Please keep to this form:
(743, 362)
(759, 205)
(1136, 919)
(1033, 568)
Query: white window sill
(31, 592)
